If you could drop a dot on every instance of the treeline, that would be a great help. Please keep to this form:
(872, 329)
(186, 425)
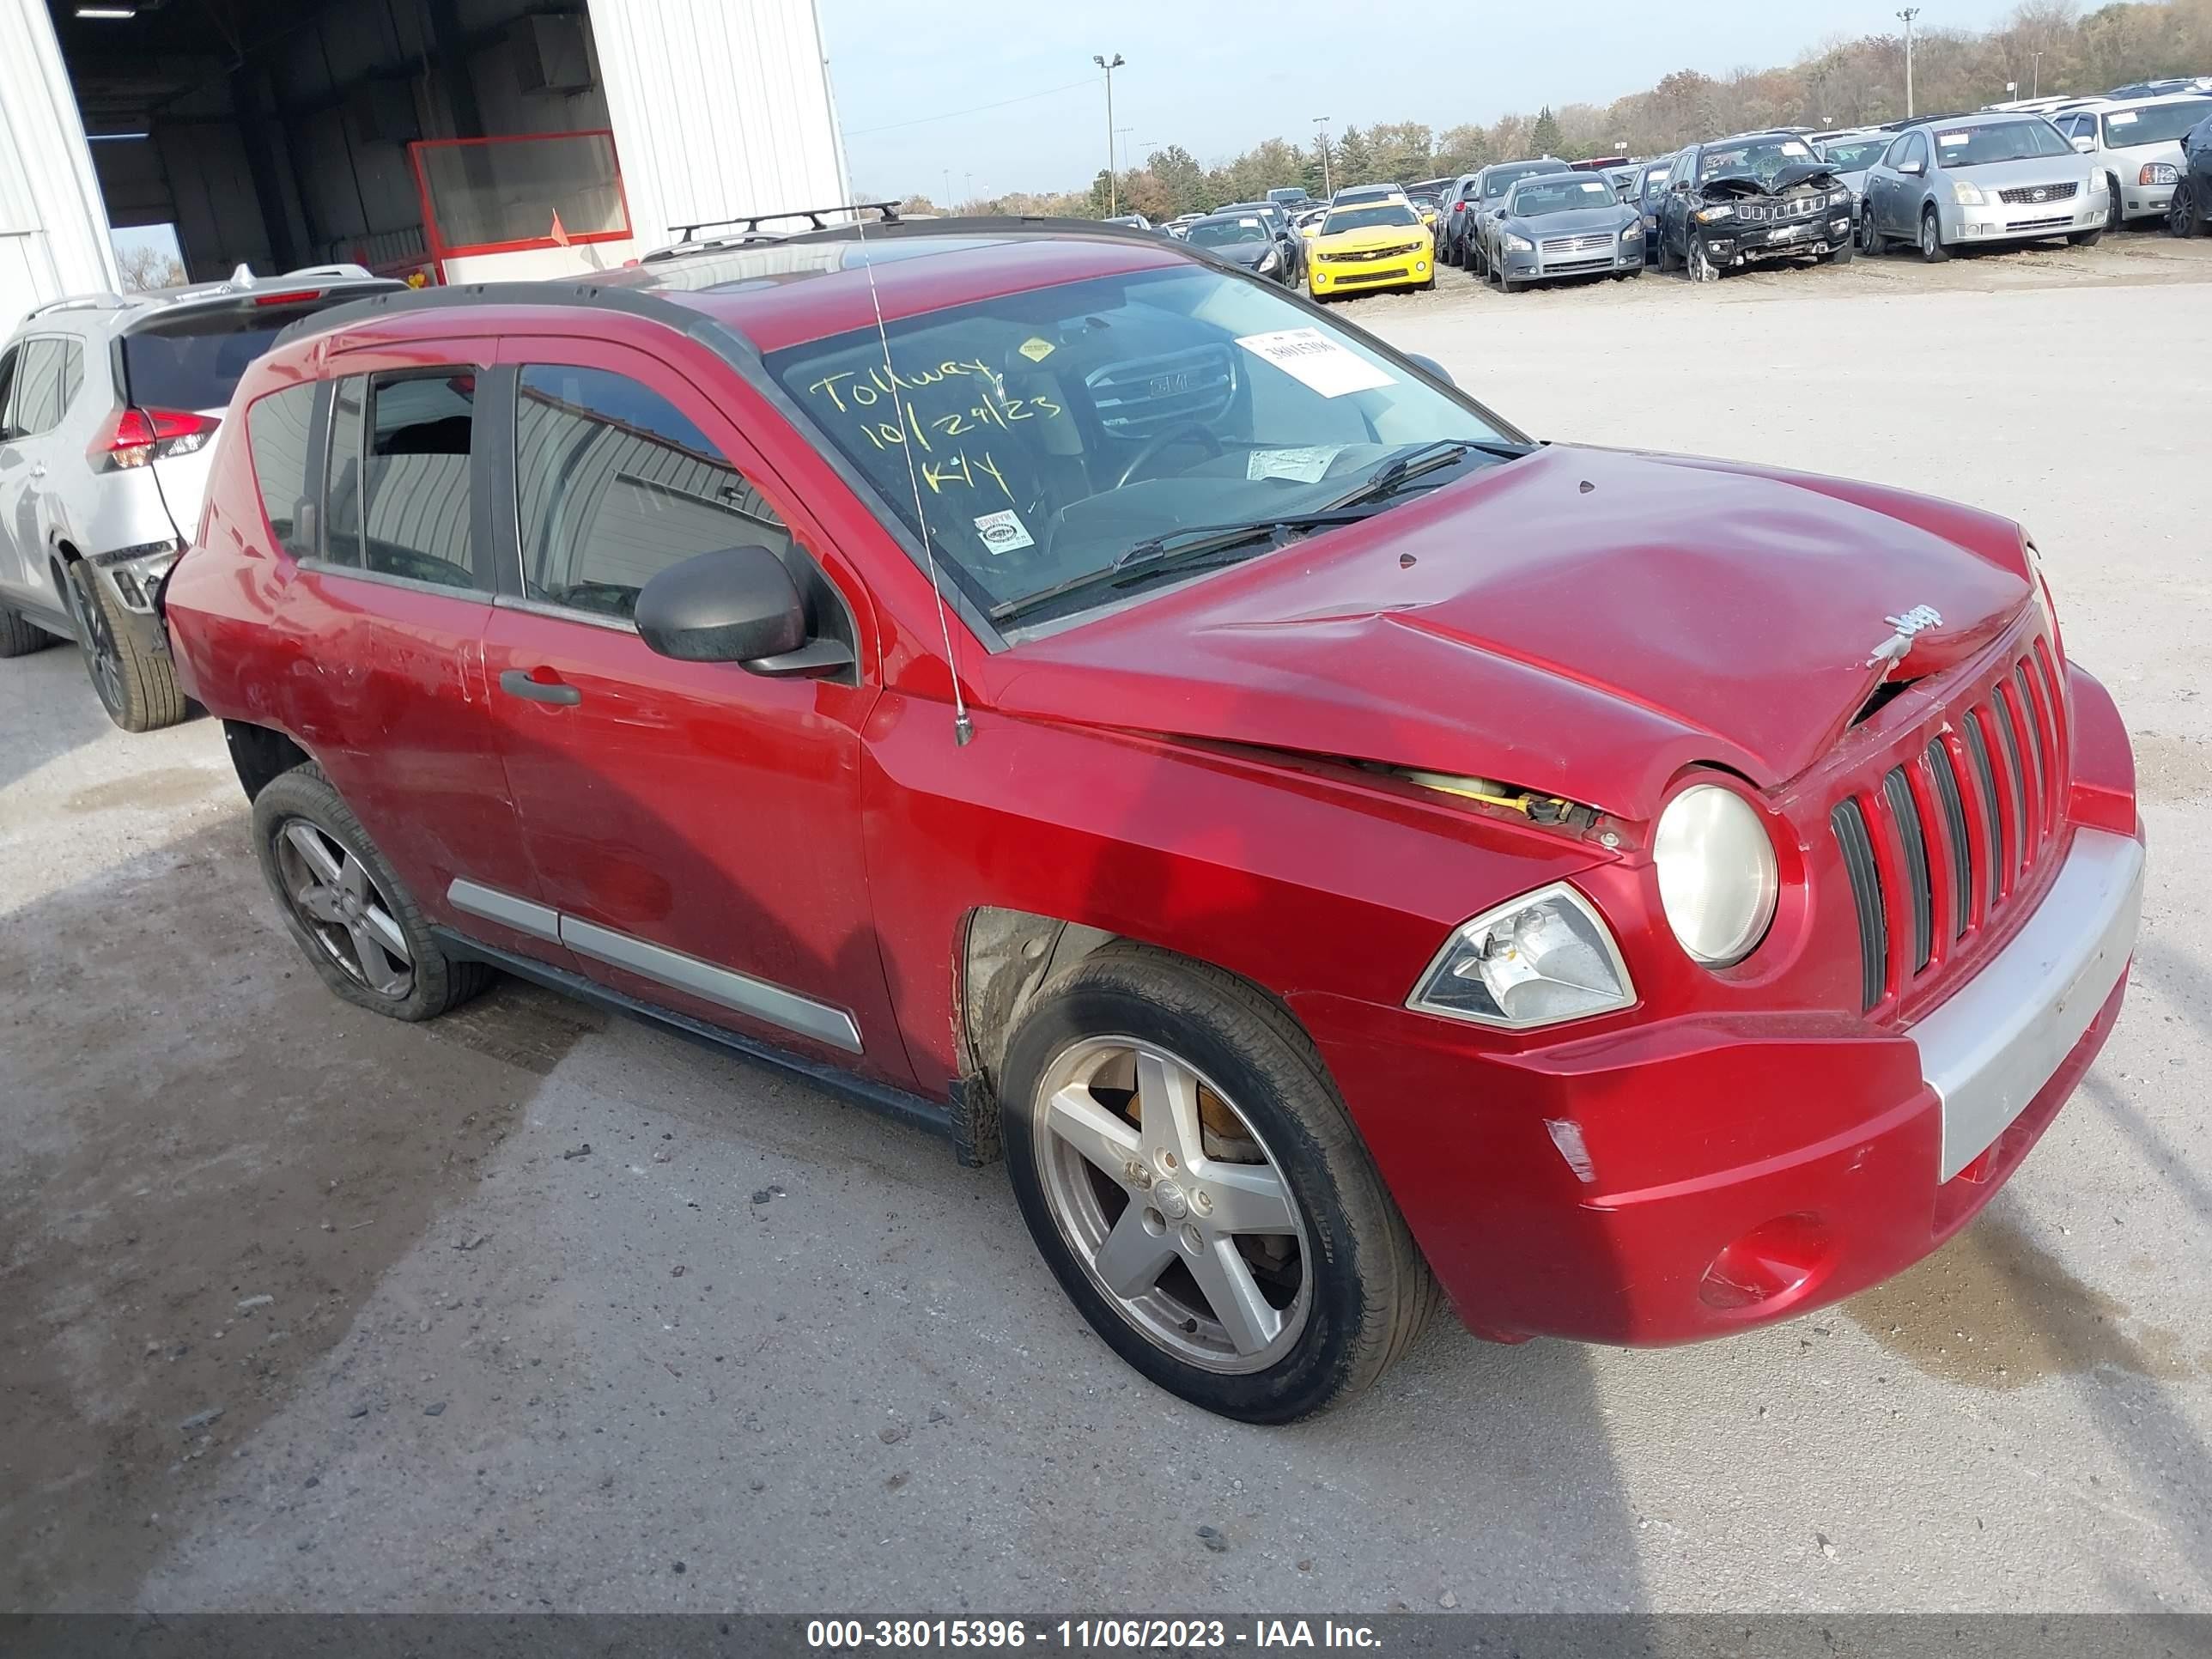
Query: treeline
(1843, 84)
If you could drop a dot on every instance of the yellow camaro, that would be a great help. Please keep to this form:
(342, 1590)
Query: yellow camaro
(1370, 245)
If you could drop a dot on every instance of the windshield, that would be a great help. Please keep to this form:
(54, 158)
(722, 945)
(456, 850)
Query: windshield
(1855, 155)
(1762, 158)
(1569, 193)
(1367, 218)
(2001, 141)
(1051, 431)
(2160, 124)
(1495, 184)
(1226, 233)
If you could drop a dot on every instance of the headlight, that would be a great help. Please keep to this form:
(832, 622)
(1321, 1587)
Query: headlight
(1634, 233)
(1544, 957)
(2159, 172)
(1519, 244)
(1269, 260)
(1966, 195)
(1718, 878)
(2096, 184)
(1839, 198)
(1706, 215)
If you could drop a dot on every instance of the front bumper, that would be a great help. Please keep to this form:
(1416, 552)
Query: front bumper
(1689, 1177)
(2146, 201)
(1533, 266)
(1326, 276)
(1755, 244)
(2024, 223)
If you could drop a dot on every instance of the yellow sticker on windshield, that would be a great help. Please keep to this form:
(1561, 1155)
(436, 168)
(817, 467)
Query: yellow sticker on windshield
(1036, 349)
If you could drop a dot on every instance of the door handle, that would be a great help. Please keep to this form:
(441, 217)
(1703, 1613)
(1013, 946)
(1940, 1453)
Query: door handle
(516, 683)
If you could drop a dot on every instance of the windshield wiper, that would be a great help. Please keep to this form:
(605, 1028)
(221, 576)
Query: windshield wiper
(1424, 458)
(1173, 550)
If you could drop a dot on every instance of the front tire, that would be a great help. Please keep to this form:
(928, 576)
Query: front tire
(2181, 218)
(1872, 242)
(1840, 255)
(345, 907)
(1703, 269)
(2086, 238)
(2115, 216)
(136, 682)
(1932, 251)
(1193, 1182)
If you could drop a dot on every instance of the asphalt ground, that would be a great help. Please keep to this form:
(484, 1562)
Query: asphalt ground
(756, 1350)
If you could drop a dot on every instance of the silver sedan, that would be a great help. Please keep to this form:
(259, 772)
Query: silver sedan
(1984, 178)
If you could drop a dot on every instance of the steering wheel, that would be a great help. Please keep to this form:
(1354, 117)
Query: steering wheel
(1160, 441)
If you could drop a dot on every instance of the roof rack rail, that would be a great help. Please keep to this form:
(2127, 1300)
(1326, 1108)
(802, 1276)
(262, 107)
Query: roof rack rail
(751, 223)
(991, 224)
(105, 300)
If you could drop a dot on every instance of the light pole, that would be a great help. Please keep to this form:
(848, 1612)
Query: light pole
(1122, 133)
(1113, 196)
(1327, 189)
(2035, 74)
(1907, 15)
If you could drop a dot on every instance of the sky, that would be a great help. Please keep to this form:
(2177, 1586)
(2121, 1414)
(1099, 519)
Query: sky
(1218, 76)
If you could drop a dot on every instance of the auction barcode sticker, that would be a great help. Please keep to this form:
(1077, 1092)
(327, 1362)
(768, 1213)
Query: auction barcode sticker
(1309, 355)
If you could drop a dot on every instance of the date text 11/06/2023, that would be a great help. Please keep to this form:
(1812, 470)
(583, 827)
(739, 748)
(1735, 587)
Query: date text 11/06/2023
(1087, 1635)
(890, 409)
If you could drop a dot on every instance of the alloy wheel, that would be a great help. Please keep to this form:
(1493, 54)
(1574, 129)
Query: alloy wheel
(1702, 268)
(338, 902)
(1172, 1203)
(103, 658)
(1931, 237)
(2181, 214)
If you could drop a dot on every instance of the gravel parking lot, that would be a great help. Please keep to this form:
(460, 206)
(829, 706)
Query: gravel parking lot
(300, 1308)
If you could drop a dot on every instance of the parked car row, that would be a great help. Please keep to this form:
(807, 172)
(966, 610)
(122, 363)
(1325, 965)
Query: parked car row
(1082, 701)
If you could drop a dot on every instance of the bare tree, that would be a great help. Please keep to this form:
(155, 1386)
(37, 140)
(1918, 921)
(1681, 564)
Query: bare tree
(144, 267)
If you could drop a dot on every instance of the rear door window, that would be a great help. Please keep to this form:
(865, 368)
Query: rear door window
(46, 381)
(277, 431)
(400, 495)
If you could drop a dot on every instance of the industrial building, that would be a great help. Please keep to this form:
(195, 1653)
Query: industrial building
(439, 140)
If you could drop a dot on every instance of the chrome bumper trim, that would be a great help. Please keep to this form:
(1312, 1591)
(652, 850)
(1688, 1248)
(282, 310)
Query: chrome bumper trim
(1992, 1046)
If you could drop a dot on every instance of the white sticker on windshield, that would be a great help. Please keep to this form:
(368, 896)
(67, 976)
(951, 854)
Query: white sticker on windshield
(1307, 466)
(2121, 118)
(1004, 533)
(1953, 138)
(1791, 147)
(1310, 357)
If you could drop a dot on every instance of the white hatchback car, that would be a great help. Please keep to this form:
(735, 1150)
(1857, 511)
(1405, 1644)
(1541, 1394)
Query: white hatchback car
(2137, 144)
(108, 403)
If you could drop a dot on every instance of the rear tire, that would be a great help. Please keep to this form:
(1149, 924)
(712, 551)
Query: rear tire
(346, 908)
(136, 683)
(1256, 1099)
(19, 635)
(1932, 251)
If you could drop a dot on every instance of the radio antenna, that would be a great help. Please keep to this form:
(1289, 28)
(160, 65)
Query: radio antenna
(963, 728)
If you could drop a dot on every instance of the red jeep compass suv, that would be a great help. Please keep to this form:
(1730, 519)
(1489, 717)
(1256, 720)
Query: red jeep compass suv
(1071, 694)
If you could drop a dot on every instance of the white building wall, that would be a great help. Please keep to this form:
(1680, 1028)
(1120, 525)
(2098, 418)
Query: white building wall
(53, 229)
(719, 108)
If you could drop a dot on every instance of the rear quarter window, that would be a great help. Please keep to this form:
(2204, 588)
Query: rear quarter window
(277, 435)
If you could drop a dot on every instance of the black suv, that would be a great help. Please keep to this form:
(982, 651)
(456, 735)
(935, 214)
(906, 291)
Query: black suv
(1753, 197)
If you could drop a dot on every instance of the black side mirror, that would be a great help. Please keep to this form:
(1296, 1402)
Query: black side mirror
(740, 605)
(1436, 370)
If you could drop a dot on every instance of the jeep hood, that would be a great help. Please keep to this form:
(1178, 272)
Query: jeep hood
(1581, 622)
(1723, 186)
